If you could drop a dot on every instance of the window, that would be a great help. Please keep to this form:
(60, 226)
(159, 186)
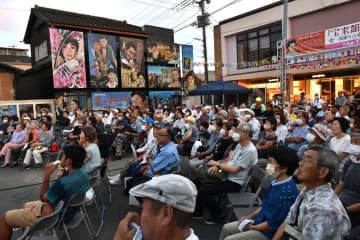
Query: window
(258, 47)
(41, 51)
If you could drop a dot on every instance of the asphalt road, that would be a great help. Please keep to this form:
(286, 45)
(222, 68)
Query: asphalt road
(17, 187)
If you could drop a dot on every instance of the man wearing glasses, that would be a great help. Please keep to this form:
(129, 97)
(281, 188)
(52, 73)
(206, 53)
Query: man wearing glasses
(164, 160)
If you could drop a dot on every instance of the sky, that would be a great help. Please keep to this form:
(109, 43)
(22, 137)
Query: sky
(173, 14)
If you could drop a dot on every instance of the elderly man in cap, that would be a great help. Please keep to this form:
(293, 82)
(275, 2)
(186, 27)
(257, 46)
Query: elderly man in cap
(191, 135)
(317, 135)
(167, 204)
(255, 124)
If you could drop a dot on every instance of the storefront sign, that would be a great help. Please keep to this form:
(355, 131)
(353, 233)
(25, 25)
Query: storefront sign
(304, 44)
(343, 36)
(339, 58)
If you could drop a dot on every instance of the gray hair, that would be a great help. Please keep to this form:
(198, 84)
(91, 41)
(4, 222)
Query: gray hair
(246, 127)
(326, 158)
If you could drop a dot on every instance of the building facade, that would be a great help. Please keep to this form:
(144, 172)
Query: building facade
(97, 61)
(13, 61)
(323, 62)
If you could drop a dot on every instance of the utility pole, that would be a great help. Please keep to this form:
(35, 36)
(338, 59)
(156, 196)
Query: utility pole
(283, 80)
(202, 22)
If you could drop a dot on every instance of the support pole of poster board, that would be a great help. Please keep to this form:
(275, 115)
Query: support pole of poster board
(203, 25)
(283, 80)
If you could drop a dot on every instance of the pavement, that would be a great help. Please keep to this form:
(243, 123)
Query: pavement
(17, 187)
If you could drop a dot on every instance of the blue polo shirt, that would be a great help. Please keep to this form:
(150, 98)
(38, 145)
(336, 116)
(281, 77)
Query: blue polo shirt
(276, 204)
(165, 160)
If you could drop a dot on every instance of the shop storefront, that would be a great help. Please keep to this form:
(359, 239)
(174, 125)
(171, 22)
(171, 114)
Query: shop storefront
(328, 85)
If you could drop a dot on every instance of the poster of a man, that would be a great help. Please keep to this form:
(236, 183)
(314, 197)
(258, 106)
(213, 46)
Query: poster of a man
(68, 58)
(102, 60)
(132, 61)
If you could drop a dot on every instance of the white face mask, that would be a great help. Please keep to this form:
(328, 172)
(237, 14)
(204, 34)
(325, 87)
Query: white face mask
(351, 125)
(267, 126)
(248, 116)
(299, 121)
(187, 126)
(71, 114)
(270, 170)
(278, 121)
(143, 128)
(235, 137)
(222, 131)
(310, 137)
(211, 128)
(231, 132)
(5, 121)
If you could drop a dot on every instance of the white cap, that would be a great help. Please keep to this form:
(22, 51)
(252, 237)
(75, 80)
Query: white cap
(171, 189)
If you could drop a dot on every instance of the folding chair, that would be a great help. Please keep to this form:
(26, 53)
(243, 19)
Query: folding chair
(49, 156)
(95, 180)
(249, 197)
(133, 150)
(43, 225)
(76, 200)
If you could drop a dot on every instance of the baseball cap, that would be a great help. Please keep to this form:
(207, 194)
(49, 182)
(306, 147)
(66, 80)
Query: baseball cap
(250, 111)
(158, 124)
(148, 120)
(115, 110)
(171, 189)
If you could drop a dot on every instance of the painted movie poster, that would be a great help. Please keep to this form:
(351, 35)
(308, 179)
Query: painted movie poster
(132, 63)
(169, 99)
(102, 61)
(163, 76)
(160, 46)
(68, 58)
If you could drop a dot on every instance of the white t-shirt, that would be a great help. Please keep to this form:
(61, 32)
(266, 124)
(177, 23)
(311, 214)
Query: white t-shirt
(243, 157)
(340, 144)
(282, 132)
(192, 235)
(150, 139)
(255, 127)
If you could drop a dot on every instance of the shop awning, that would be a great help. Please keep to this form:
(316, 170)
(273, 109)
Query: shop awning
(219, 88)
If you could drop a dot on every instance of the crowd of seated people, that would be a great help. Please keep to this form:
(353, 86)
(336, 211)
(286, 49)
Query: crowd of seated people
(227, 141)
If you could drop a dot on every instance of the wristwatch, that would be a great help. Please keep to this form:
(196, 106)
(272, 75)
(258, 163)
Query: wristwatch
(218, 164)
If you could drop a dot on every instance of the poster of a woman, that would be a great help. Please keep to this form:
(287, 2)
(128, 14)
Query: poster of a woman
(68, 59)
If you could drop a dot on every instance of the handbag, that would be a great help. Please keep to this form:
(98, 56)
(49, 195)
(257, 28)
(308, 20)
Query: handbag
(210, 178)
(54, 147)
